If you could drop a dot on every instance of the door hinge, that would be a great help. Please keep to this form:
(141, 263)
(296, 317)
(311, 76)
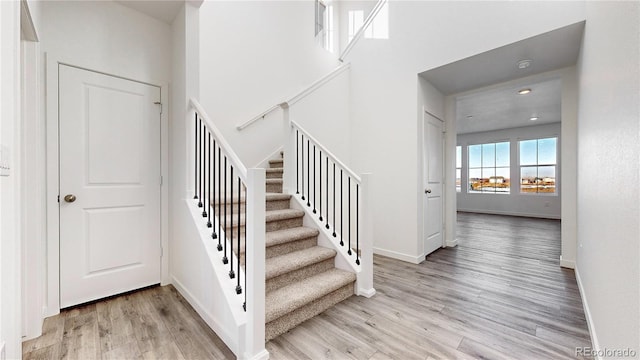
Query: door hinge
(159, 103)
(161, 251)
(58, 198)
(161, 180)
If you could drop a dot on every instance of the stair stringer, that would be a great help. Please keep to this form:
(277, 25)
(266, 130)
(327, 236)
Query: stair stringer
(343, 260)
(204, 282)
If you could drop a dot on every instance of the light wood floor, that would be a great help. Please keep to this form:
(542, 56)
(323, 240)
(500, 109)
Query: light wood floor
(499, 295)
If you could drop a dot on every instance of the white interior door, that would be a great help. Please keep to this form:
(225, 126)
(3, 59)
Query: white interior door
(433, 181)
(109, 131)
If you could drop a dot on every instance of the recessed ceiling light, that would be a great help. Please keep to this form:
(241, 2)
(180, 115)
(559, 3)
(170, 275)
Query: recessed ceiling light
(524, 91)
(523, 64)
(533, 118)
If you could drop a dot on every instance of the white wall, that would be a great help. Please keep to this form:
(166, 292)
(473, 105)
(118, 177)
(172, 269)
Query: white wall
(10, 186)
(423, 35)
(253, 56)
(608, 174)
(515, 203)
(107, 37)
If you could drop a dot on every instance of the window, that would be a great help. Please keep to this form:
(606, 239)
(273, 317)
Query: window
(458, 168)
(538, 165)
(489, 168)
(320, 18)
(329, 30)
(356, 18)
(379, 27)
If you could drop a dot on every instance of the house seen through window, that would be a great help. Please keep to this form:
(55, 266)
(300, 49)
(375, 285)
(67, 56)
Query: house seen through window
(489, 168)
(538, 161)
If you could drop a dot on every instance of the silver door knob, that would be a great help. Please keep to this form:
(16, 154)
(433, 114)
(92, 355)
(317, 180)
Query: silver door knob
(70, 198)
(427, 191)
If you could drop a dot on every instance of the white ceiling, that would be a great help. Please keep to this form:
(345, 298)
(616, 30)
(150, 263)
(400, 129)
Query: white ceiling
(163, 10)
(501, 107)
(494, 106)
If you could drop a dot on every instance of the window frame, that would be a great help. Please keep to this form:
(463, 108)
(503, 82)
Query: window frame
(495, 167)
(537, 165)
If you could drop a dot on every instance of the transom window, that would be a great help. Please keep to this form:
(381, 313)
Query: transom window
(489, 168)
(538, 161)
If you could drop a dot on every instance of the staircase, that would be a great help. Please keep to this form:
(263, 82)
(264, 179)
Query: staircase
(301, 279)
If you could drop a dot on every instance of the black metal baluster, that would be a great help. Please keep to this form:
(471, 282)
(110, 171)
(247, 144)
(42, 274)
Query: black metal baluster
(327, 184)
(212, 186)
(195, 159)
(229, 230)
(209, 199)
(225, 259)
(204, 177)
(308, 177)
(219, 202)
(297, 163)
(349, 212)
(320, 179)
(314, 179)
(200, 162)
(334, 200)
(341, 211)
(357, 224)
(238, 287)
(246, 249)
(302, 157)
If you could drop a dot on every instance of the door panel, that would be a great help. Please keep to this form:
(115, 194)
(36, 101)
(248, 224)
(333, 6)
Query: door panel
(110, 161)
(433, 204)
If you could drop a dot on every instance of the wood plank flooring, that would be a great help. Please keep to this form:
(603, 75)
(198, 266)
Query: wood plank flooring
(500, 294)
(153, 323)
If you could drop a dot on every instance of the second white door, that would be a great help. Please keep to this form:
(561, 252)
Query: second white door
(109, 136)
(433, 181)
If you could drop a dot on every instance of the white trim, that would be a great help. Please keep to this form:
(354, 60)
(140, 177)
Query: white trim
(262, 355)
(587, 314)
(52, 301)
(264, 163)
(452, 243)
(569, 264)
(510, 213)
(372, 15)
(399, 256)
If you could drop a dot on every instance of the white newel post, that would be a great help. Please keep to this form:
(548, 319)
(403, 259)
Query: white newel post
(288, 178)
(255, 269)
(365, 280)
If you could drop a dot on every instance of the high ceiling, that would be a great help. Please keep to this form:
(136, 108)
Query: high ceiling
(494, 106)
(163, 10)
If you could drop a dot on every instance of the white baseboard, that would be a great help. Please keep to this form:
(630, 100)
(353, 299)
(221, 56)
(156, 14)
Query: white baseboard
(569, 264)
(510, 213)
(366, 292)
(452, 243)
(264, 164)
(399, 256)
(587, 313)
(220, 330)
(262, 355)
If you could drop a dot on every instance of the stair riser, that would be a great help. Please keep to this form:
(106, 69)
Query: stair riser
(275, 164)
(270, 205)
(274, 175)
(289, 321)
(284, 224)
(281, 249)
(274, 188)
(300, 274)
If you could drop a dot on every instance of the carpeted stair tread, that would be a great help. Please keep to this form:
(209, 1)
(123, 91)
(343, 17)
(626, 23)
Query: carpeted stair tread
(283, 264)
(275, 215)
(270, 196)
(274, 170)
(276, 163)
(273, 181)
(294, 296)
(279, 237)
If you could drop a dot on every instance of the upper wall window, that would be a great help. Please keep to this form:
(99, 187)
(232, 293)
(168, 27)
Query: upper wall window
(379, 27)
(356, 18)
(329, 28)
(489, 168)
(538, 161)
(458, 168)
(320, 18)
